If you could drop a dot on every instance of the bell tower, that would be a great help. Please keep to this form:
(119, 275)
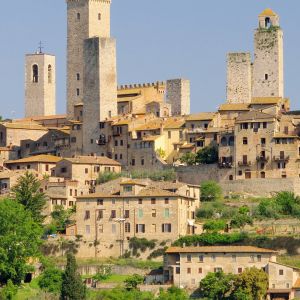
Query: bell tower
(85, 19)
(268, 75)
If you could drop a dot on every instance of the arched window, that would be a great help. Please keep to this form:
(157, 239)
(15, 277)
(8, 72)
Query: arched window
(268, 22)
(231, 141)
(49, 74)
(35, 73)
(224, 141)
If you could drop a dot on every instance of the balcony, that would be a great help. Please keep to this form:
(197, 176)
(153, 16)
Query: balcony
(225, 165)
(244, 163)
(281, 158)
(262, 158)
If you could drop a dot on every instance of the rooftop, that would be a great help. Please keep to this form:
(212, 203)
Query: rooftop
(91, 160)
(254, 116)
(234, 107)
(219, 249)
(267, 100)
(268, 12)
(205, 116)
(24, 125)
(36, 159)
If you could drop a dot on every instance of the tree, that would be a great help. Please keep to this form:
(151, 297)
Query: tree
(61, 217)
(210, 191)
(107, 176)
(252, 282)
(287, 202)
(240, 221)
(9, 291)
(214, 225)
(19, 241)
(161, 153)
(208, 155)
(72, 286)
(173, 293)
(27, 192)
(51, 280)
(188, 158)
(216, 286)
(132, 282)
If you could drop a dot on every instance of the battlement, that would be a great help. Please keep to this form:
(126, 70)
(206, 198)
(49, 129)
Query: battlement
(103, 1)
(141, 85)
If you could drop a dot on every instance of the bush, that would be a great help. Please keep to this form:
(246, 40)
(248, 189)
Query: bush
(214, 225)
(210, 191)
(165, 175)
(136, 245)
(207, 155)
(157, 253)
(107, 176)
(240, 221)
(133, 281)
(9, 291)
(51, 280)
(188, 158)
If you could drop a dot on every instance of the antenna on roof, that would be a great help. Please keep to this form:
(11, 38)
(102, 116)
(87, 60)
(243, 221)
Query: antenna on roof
(40, 48)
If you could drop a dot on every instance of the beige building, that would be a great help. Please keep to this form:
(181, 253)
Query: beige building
(137, 209)
(186, 266)
(40, 85)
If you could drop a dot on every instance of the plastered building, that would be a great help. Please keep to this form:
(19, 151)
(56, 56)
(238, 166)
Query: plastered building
(86, 19)
(40, 85)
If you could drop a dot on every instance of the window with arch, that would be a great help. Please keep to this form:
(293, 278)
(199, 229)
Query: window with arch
(49, 74)
(268, 22)
(35, 73)
(231, 141)
(224, 141)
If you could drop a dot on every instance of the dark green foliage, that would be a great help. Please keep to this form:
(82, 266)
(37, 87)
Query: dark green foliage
(9, 291)
(188, 158)
(210, 191)
(123, 294)
(165, 175)
(207, 155)
(107, 176)
(72, 285)
(27, 192)
(51, 280)
(205, 212)
(214, 225)
(241, 220)
(173, 293)
(157, 253)
(136, 245)
(19, 241)
(61, 217)
(209, 239)
(132, 282)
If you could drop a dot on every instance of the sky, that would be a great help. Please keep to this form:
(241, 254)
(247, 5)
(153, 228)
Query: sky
(156, 40)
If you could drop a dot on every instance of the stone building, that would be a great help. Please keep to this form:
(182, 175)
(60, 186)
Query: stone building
(185, 267)
(40, 85)
(137, 209)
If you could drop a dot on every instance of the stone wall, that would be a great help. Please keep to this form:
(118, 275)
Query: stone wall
(239, 78)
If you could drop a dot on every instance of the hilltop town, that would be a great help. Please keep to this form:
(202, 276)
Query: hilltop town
(129, 163)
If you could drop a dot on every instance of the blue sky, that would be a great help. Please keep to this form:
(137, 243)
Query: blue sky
(156, 40)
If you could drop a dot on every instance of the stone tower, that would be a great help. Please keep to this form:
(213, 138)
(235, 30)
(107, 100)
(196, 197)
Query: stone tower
(40, 85)
(86, 19)
(268, 78)
(178, 95)
(239, 78)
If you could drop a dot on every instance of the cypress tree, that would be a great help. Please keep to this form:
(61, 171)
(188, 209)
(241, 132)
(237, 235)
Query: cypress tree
(72, 286)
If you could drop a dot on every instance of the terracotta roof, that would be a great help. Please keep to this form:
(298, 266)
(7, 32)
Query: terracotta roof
(219, 249)
(234, 107)
(206, 116)
(132, 182)
(266, 100)
(41, 118)
(282, 135)
(151, 138)
(173, 123)
(36, 158)
(91, 160)
(151, 125)
(254, 116)
(187, 146)
(268, 12)
(21, 125)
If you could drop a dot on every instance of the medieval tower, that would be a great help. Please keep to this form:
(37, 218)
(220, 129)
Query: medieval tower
(40, 89)
(268, 78)
(85, 19)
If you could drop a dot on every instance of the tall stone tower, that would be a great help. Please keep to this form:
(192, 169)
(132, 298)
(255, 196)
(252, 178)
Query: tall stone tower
(86, 19)
(178, 95)
(239, 78)
(268, 78)
(40, 84)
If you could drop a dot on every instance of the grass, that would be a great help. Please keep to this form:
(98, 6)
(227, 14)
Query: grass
(28, 290)
(115, 278)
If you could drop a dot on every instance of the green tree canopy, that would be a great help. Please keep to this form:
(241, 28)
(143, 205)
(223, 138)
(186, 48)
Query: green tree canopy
(27, 192)
(208, 155)
(72, 286)
(61, 217)
(188, 158)
(51, 280)
(133, 281)
(214, 225)
(210, 191)
(19, 241)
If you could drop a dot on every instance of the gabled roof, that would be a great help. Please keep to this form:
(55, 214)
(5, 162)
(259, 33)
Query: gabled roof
(234, 107)
(254, 116)
(93, 160)
(219, 249)
(268, 12)
(205, 116)
(24, 125)
(36, 159)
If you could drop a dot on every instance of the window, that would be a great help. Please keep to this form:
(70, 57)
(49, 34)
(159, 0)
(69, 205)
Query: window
(189, 270)
(49, 74)
(142, 161)
(121, 143)
(126, 214)
(287, 285)
(265, 125)
(100, 202)
(200, 271)
(127, 227)
(153, 228)
(177, 270)
(140, 213)
(166, 227)
(240, 270)
(78, 16)
(266, 76)
(86, 170)
(99, 16)
(166, 200)
(259, 258)
(71, 203)
(116, 156)
(169, 134)
(281, 272)
(252, 258)
(201, 258)
(47, 168)
(153, 201)
(189, 258)
(224, 141)
(245, 141)
(35, 73)
(128, 188)
(78, 76)
(116, 143)
(167, 213)
(71, 192)
(213, 258)
(87, 229)
(240, 173)
(140, 201)
(133, 162)
(218, 270)
(78, 92)
(153, 213)
(263, 141)
(140, 228)
(233, 258)
(113, 214)
(100, 214)
(87, 215)
(101, 228)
